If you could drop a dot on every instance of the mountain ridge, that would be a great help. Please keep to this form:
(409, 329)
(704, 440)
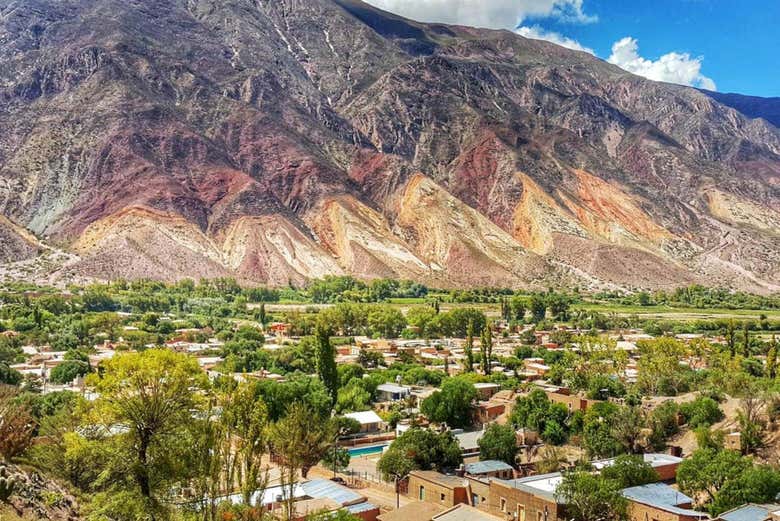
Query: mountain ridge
(281, 141)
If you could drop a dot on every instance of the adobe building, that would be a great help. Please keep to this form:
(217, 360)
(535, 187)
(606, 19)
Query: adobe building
(660, 502)
(437, 488)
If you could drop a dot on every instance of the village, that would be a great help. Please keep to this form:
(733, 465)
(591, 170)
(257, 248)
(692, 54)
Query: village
(509, 366)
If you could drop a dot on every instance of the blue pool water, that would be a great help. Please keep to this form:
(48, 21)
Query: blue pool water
(366, 451)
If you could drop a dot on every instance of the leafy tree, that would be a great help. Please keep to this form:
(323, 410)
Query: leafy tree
(301, 439)
(771, 361)
(246, 419)
(368, 358)
(538, 413)
(277, 396)
(559, 305)
(9, 376)
(486, 348)
(597, 430)
(759, 484)
(538, 308)
(336, 459)
(386, 321)
(630, 471)
(626, 428)
(707, 471)
(420, 449)
(68, 371)
(702, 412)
(469, 348)
(589, 497)
(452, 404)
(422, 318)
(353, 397)
(153, 394)
(499, 442)
(325, 356)
(517, 308)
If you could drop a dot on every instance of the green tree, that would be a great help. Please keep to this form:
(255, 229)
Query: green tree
(246, 419)
(68, 371)
(153, 394)
(301, 439)
(589, 497)
(771, 361)
(597, 435)
(517, 308)
(499, 442)
(630, 471)
(538, 308)
(707, 471)
(469, 348)
(759, 484)
(386, 321)
(486, 348)
(420, 449)
(325, 358)
(702, 412)
(452, 404)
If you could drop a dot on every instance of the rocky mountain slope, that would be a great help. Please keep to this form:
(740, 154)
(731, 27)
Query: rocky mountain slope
(280, 140)
(751, 106)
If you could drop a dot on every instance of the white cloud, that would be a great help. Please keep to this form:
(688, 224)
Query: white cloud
(673, 67)
(496, 14)
(538, 33)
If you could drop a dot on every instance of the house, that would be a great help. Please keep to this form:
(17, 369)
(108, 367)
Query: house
(533, 497)
(489, 469)
(324, 495)
(752, 512)
(369, 421)
(280, 329)
(469, 442)
(535, 367)
(733, 441)
(488, 412)
(528, 498)
(485, 390)
(389, 392)
(664, 464)
(658, 501)
(437, 488)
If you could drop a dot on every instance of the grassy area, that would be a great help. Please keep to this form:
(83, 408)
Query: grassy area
(680, 313)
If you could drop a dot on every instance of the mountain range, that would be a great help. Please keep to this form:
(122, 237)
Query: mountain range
(278, 141)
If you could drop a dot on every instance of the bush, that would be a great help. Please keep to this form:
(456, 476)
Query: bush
(702, 412)
(67, 371)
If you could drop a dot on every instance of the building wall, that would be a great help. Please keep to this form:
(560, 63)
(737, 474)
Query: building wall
(641, 512)
(572, 402)
(667, 472)
(480, 493)
(436, 492)
(529, 506)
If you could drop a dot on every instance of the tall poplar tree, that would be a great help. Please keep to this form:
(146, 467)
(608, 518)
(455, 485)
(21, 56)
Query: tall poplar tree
(469, 349)
(325, 356)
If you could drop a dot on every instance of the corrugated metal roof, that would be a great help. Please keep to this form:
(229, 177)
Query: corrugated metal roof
(361, 507)
(663, 497)
(324, 488)
(749, 512)
(484, 467)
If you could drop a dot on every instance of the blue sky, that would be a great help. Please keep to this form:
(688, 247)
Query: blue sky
(728, 45)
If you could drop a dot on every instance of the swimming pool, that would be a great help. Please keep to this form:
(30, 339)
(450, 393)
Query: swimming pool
(366, 451)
